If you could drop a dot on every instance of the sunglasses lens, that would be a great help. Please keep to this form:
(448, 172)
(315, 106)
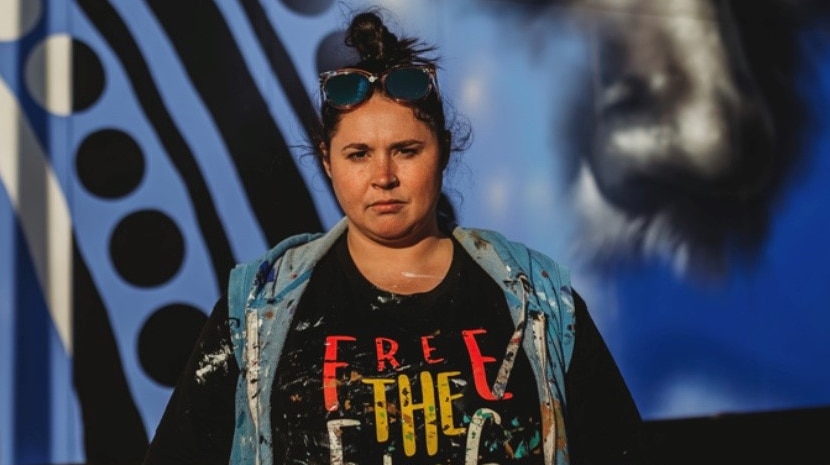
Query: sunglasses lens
(347, 89)
(408, 83)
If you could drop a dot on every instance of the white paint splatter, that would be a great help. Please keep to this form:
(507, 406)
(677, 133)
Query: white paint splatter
(304, 325)
(211, 363)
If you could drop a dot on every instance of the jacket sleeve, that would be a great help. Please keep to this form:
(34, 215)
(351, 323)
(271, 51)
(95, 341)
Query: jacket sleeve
(603, 422)
(197, 424)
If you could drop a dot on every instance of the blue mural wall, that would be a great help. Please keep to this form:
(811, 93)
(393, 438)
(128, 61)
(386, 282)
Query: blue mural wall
(673, 154)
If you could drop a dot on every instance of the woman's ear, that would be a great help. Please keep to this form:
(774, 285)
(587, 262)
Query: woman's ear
(324, 158)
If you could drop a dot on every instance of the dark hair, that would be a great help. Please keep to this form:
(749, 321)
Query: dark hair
(379, 50)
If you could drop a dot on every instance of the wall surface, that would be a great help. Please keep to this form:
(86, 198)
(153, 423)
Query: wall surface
(673, 154)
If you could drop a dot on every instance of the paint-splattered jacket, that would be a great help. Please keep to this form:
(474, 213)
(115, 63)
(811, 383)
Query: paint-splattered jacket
(263, 296)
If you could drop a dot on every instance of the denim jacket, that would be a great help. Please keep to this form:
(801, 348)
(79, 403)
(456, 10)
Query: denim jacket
(263, 297)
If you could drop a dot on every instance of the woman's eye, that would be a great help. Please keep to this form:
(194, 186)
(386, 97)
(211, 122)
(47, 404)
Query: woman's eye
(409, 151)
(356, 155)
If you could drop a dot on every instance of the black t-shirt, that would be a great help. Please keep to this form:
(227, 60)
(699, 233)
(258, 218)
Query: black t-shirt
(435, 333)
(367, 376)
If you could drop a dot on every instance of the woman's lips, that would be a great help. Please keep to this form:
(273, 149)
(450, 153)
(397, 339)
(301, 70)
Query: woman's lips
(386, 206)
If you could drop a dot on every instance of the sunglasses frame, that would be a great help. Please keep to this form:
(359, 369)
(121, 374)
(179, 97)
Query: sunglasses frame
(324, 77)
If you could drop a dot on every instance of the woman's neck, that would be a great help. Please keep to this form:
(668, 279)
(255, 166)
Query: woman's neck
(409, 269)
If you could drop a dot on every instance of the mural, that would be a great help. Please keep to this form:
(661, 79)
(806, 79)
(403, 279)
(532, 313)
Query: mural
(672, 155)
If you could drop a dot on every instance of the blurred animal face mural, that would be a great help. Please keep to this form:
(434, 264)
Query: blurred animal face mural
(684, 153)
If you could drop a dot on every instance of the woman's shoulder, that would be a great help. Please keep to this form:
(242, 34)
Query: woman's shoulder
(309, 246)
(481, 238)
(300, 252)
(487, 245)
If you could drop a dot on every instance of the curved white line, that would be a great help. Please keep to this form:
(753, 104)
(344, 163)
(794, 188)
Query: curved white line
(42, 210)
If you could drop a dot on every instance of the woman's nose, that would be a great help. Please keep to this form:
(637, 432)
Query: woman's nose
(384, 174)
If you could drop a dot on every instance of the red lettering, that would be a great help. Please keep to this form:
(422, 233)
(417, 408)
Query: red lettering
(428, 350)
(477, 361)
(384, 354)
(330, 366)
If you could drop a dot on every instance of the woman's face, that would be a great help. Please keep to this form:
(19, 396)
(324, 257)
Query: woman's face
(385, 168)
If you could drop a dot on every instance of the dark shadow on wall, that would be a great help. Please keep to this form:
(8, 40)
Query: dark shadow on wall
(113, 430)
(790, 437)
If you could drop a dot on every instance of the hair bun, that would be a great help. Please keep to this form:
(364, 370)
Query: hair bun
(373, 41)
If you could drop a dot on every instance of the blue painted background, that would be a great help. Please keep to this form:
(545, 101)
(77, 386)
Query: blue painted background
(755, 339)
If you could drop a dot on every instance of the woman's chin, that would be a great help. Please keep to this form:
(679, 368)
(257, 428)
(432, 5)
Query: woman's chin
(394, 233)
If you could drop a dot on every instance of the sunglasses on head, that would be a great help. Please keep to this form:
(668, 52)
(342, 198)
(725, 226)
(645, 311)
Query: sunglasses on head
(348, 87)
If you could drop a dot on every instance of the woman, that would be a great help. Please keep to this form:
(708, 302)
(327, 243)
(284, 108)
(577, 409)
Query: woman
(396, 338)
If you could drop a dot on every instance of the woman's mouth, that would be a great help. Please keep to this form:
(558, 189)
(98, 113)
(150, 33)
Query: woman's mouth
(386, 206)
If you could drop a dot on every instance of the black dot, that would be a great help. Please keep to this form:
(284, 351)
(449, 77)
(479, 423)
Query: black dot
(167, 339)
(308, 7)
(147, 248)
(332, 52)
(109, 163)
(87, 76)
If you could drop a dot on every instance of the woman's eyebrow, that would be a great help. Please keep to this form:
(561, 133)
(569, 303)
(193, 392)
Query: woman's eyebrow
(405, 143)
(355, 146)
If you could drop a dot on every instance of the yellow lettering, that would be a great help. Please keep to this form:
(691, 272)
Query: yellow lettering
(408, 407)
(445, 398)
(379, 404)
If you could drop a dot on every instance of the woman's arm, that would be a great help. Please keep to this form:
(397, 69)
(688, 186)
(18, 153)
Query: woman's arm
(197, 425)
(603, 422)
